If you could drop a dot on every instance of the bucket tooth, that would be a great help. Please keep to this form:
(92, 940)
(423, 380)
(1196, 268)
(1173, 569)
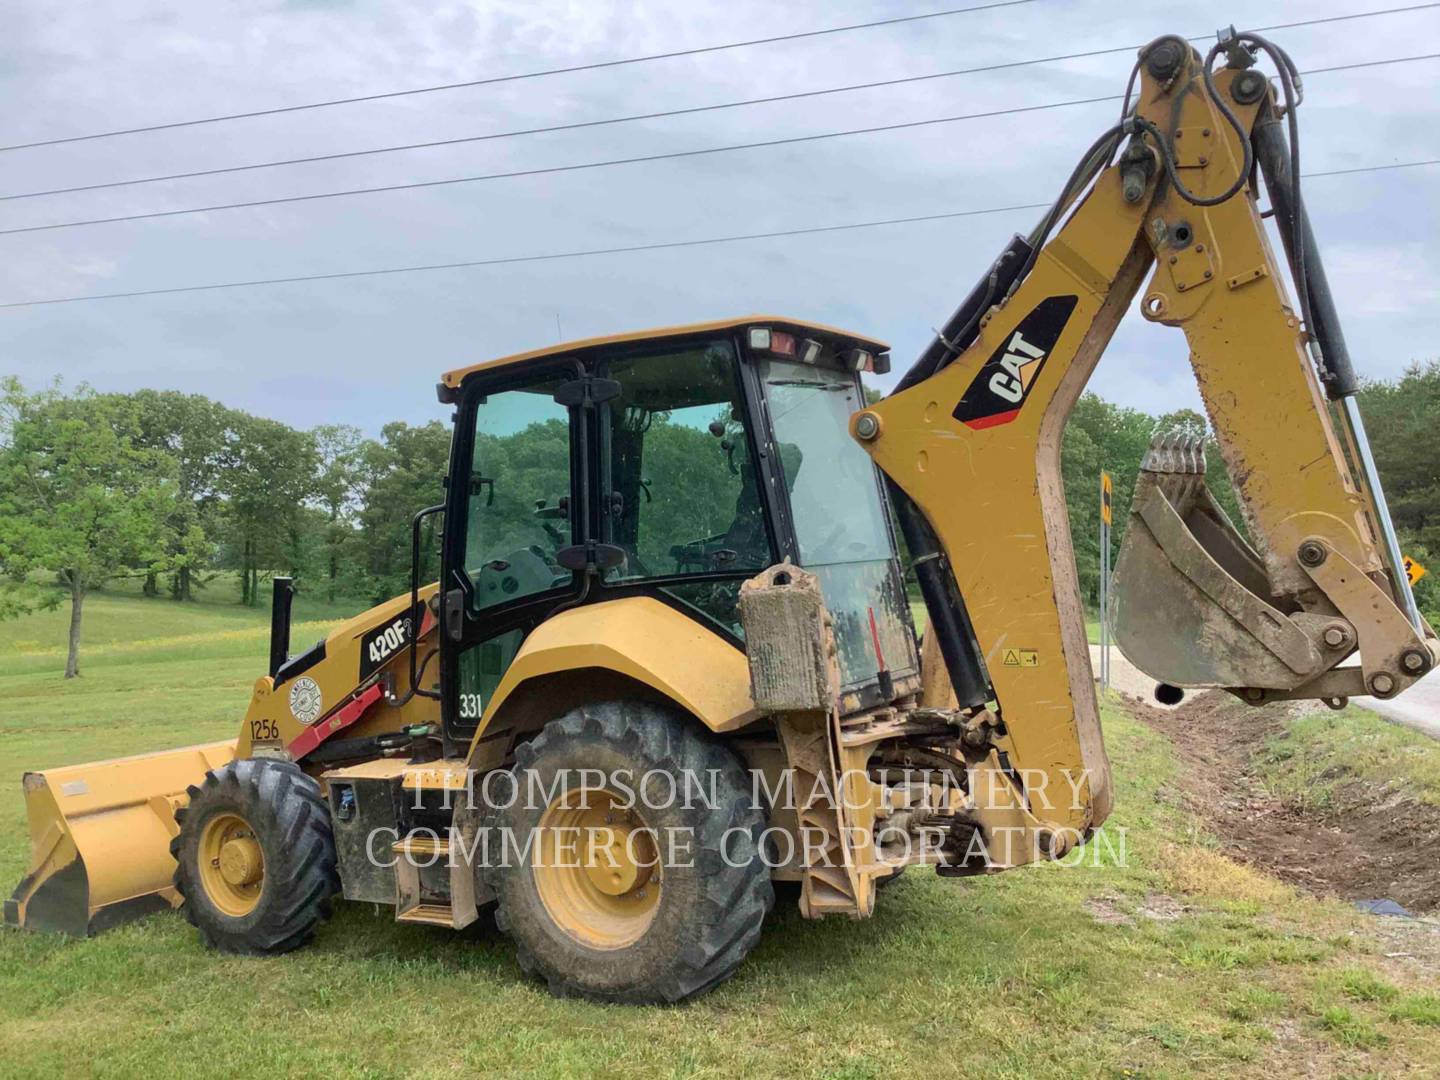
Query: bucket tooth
(1191, 604)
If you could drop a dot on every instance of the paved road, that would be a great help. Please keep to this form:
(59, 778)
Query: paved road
(1418, 707)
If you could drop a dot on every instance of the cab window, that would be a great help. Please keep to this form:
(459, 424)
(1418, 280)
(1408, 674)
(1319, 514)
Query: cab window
(679, 492)
(840, 523)
(518, 496)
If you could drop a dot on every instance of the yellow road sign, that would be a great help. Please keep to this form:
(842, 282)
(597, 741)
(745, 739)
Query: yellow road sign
(1413, 570)
(1105, 497)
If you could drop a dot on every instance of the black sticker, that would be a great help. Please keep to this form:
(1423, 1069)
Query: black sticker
(379, 645)
(999, 390)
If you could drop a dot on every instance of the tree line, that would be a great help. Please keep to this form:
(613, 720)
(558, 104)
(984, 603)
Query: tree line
(1402, 418)
(175, 489)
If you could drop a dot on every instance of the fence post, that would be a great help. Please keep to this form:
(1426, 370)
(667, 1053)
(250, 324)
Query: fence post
(1104, 579)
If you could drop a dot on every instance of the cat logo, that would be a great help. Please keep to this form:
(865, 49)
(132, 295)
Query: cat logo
(999, 389)
(1017, 368)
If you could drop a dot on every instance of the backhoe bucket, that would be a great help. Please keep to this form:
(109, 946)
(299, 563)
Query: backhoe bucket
(100, 839)
(1191, 604)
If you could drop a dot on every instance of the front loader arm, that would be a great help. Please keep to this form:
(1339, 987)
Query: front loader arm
(970, 444)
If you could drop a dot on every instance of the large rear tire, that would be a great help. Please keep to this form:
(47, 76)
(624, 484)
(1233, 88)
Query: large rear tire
(255, 858)
(622, 930)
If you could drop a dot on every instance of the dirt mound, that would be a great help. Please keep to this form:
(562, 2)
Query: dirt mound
(1368, 845)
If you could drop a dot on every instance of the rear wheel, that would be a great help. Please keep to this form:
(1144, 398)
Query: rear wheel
(255, 857)
(610, 888)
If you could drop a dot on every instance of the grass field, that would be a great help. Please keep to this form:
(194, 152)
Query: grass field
(1156, 956)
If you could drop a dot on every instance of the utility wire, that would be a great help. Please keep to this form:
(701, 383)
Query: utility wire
(667, 55)
(612, 162)
(550, 170)
(579, 125)
(691, 111)
(592, 252)
(599, 65)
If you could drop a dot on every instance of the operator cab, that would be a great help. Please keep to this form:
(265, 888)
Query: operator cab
(673, 464)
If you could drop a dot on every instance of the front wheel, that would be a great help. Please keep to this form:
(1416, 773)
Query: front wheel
(628, 865)
(255, 857)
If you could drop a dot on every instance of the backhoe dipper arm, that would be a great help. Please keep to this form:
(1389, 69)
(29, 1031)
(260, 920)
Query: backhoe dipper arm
(970, 444)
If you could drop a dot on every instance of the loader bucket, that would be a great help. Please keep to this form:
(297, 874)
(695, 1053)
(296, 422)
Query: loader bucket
(100, 839)
(1191, 604)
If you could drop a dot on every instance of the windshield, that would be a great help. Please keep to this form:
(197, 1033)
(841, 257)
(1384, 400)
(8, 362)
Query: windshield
(839, 519)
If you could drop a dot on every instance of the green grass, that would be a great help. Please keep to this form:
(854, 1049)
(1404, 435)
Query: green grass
(921, 620)
(1006, 976)
(119, 618)
(1316, 754)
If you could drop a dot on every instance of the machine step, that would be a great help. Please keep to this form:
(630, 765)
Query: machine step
(414, 904)
(430, 915)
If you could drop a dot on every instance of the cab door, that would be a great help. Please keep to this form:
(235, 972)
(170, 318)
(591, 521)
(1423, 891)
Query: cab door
(514, 515)
(681, 504)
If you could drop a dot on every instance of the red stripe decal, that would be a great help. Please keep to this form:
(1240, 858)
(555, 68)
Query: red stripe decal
(339, 720)
(992, 421)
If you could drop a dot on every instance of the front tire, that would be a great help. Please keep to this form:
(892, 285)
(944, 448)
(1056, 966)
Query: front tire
(658, 926)
(255, 861)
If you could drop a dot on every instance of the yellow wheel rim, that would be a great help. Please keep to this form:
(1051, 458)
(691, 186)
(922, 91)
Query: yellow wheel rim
(596, 869)
(232, 865)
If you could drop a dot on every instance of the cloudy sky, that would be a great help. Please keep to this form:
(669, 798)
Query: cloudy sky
(364, 351)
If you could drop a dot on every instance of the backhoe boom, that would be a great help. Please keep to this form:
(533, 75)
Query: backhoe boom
(970, 443)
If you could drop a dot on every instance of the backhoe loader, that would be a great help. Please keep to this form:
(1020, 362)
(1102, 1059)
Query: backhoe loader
(668, 661)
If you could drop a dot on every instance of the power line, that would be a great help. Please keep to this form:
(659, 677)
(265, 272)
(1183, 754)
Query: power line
(693, 110)
(599, 65)
(612, 162)
(1371, 63)
(1373, 168)
(592, 252)
(676, 54)
(579, 125)
(550, 170)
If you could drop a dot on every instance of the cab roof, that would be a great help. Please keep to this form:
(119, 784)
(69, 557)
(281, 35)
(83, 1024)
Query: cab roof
(843, 337)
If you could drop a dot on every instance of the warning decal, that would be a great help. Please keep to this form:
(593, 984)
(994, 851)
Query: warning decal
(1413, 570)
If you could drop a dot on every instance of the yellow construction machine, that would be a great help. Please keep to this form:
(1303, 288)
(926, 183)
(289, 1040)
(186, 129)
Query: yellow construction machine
(669, 659)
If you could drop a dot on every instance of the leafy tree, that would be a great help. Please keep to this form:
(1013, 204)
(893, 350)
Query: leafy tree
(1402, 419)
(79, 493)
(1080, 465)
(338, 486)
(402, 473)
(1100, 435)
(195, 431)
(266, 486)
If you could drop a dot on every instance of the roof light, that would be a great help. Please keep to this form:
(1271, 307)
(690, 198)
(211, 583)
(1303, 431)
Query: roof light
(810, 351)
(759, 337)
(858, 360)
(881, 364)
(781, 343)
